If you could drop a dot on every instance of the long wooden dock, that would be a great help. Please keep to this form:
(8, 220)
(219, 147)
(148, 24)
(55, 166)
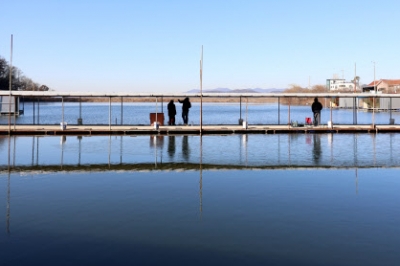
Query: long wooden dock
(29, 130)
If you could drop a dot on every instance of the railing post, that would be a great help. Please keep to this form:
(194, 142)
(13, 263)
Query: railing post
(38, 111)
(330, 107)
(109, 113)
(122, 110)
(289, 112)
(62, 112)
(279, 110)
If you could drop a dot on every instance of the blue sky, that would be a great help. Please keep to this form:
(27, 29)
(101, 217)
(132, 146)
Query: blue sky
(155, 46)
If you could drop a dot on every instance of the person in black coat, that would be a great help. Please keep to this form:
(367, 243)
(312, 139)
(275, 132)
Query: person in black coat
(171, 113)
(316, 108)
(185, 109)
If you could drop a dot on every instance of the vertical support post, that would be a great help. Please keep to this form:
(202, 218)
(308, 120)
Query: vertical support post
(62, 111)
(247, 119)
(373, 112)
(156, 112)
(390, 107)
(122, 110)
(279, 110)
(330, 107)
(10, 87)
(354, 110)
(33, 112)
(38, 111)
(80, 111)
(240, 108)
(201, 91)
(109, 113)
(80, 107)
(289, 113)
(357, 104)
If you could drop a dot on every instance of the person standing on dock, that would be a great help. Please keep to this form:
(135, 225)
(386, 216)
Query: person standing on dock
(171, 113)
(316, 108)
(185, 109)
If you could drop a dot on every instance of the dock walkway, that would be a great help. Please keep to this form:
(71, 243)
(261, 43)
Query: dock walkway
(29, 130)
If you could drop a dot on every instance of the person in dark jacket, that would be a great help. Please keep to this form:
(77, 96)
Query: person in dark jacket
(316, 108)
(171, 113)
(185, 109)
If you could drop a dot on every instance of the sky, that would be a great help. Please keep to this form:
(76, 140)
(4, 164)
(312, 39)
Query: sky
(154, 46)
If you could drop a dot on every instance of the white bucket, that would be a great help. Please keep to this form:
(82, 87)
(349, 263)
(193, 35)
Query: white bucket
(245, 124)
(156, 125)
(63, 125)
(329, 123)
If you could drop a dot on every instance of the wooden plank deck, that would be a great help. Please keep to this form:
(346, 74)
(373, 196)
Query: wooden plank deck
(30, 130)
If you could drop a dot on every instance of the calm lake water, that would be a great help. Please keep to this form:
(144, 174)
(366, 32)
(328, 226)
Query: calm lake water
(213, 113)
(323, 199)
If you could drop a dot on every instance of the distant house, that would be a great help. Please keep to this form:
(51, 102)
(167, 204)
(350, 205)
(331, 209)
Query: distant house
(384, 85)
(340, 85)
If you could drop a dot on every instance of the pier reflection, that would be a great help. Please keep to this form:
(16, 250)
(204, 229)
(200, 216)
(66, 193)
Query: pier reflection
(171, 146)
(316, 148)
(185, 148)
(255, 151)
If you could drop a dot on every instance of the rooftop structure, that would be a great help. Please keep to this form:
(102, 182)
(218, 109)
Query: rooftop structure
(384, 85)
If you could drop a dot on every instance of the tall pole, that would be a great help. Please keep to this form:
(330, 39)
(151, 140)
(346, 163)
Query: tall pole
(355, 89)
(10, 85)
(201, 91)
(374, 78)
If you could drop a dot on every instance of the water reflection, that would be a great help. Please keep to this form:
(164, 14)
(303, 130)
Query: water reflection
(185, 148)
(256, 151)
(152, 210)
(171, 146)
(316, 148)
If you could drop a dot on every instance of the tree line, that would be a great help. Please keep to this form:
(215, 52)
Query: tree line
(19, 82)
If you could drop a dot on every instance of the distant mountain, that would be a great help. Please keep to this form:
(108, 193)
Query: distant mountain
(270, 90)
(249, 90)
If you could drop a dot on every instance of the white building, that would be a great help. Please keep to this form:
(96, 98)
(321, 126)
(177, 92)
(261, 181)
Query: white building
(341, 85)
